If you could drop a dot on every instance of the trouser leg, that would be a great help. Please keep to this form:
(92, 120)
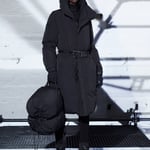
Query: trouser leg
(84, 132)
(60, 138)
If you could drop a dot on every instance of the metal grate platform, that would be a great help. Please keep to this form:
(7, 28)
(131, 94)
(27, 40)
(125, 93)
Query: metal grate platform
(100, 136)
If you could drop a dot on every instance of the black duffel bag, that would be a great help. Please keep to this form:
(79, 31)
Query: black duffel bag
(45, 110)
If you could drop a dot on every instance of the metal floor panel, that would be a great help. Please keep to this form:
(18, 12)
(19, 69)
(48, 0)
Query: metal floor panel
(100, 136)
(118, 148)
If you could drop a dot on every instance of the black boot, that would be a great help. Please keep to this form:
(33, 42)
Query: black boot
(84, 133)
(60, 139)
(83, 146)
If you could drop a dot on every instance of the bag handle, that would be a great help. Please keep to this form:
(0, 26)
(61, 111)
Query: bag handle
(49, 84)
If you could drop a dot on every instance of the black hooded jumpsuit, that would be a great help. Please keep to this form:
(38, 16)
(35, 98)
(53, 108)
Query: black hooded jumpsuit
(75, 72)
(77, 63)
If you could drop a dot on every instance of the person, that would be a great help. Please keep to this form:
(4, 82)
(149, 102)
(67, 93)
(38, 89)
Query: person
(76, 67)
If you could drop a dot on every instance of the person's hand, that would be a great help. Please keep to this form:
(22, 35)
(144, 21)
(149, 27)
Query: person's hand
(99, 75)
(52, 78)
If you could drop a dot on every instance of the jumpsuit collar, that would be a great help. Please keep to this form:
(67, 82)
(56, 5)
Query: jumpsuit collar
(86, 13)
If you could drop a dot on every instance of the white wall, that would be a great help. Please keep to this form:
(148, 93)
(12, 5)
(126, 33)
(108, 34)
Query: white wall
(22, 71)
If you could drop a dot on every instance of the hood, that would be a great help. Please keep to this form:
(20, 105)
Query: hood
(86, 13)
(65, 8)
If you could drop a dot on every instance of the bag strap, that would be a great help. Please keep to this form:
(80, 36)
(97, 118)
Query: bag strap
(48, 84)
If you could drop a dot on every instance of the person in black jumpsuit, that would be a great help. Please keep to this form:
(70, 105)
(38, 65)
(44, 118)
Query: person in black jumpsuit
(76, 68)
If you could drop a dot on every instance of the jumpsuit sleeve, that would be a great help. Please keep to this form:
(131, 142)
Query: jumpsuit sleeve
(94, 53)
(49, 43)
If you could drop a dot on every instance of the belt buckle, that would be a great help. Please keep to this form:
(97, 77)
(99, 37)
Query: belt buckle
(79, 53)
(76, 53)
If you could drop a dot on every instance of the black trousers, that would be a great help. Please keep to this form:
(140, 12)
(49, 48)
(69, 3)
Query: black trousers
(84, 129)
(83, 133)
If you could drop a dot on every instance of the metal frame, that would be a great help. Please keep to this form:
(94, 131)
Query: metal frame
(107, 24)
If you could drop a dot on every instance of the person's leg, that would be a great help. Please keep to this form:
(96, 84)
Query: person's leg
(60, 139)
(84, 132)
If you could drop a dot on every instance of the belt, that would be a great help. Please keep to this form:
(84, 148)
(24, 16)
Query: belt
(76, 53)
